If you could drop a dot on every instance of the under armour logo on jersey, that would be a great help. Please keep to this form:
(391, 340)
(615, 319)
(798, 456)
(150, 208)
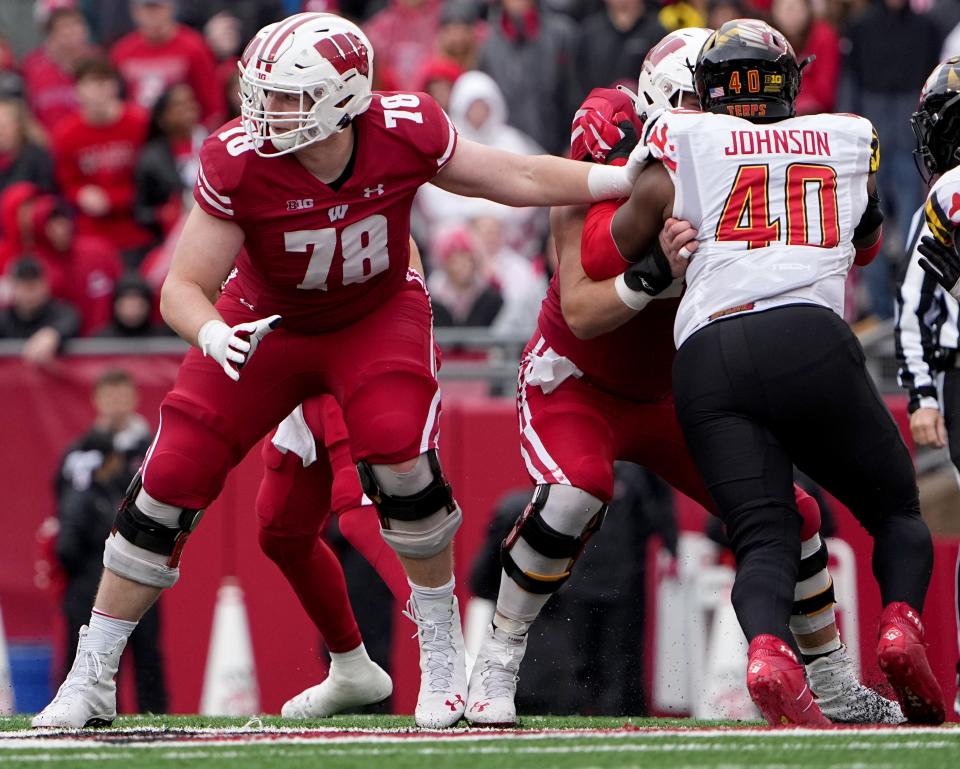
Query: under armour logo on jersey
(337, 212)
(369, 192)
(299, 205)
(954, 205)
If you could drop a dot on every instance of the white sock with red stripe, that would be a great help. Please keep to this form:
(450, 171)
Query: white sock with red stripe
(105, 631)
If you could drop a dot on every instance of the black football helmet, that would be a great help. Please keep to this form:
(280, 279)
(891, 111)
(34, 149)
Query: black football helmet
(747, 69)
(936, 123)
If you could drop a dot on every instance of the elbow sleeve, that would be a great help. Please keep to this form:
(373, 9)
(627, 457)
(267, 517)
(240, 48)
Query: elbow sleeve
(599, 254)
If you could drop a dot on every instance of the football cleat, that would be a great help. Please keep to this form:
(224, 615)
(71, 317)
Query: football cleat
(902, 655)
(841, 696)
(88, 696)
(443, 667)
(340, 692)
(493, 681)
(778, 685)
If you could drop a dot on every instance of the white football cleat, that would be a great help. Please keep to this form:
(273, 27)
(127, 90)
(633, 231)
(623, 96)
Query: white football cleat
(493, 680)
(361, 684)
(841, 696)
(443, 668)
(88, 697)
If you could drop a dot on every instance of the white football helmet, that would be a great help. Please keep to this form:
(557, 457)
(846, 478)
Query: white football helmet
(321, 58)
(667, 71)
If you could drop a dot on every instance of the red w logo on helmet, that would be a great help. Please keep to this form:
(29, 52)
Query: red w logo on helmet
(666, 46)
(345, 51)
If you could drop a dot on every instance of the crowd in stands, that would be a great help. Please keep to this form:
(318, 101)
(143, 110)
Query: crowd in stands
(104, 105)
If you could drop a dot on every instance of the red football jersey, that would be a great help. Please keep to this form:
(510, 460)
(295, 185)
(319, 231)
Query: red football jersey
(634, 361)
(324, 258)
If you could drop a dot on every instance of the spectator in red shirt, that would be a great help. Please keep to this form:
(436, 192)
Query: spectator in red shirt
(95, 152)
(16, 222)
(49, 71)
(160, 53)
(811, 37)
(81, 269)
(404, 36)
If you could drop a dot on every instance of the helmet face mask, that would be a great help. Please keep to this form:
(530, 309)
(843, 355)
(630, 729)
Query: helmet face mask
(323, 62)
(748, 69)
(667, 71)
(936, 123)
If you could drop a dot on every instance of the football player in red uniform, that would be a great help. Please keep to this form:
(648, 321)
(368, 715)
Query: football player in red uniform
(309, 473)
(303, 215)
(595, 386)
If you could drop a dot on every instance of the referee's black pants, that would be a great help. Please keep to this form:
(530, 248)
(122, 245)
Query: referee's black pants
(760, 392)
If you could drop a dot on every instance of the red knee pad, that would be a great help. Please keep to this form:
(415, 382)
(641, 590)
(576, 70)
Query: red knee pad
(809, 511)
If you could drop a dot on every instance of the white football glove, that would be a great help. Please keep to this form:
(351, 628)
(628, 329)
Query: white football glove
(232, 347)
(637, 160)
(610, 182)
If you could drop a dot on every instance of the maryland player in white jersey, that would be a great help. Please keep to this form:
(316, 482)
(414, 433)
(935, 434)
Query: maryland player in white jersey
(936, 124)
(584, 401)
(767, 374)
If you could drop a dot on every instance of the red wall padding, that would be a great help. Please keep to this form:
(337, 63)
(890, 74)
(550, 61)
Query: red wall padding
(42, 410)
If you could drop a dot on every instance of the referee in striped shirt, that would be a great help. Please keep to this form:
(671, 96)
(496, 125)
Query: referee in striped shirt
(926, 345)
(926, 338)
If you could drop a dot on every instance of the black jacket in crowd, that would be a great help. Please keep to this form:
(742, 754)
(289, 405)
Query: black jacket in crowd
(55, 314)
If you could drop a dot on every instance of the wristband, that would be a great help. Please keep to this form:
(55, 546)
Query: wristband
(608, 182)
(635, 300)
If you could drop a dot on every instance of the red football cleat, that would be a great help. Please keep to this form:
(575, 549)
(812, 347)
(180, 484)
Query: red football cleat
(902, 655)
(778, 685)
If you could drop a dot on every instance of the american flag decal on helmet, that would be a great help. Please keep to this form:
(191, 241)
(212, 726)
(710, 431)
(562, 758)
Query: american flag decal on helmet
(345, 51)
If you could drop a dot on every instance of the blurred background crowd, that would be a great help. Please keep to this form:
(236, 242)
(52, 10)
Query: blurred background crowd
(105, 103)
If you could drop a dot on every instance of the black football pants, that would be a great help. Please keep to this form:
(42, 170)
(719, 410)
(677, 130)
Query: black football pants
(761, 392)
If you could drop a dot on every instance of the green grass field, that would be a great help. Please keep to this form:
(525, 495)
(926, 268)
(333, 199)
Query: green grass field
(386, 742)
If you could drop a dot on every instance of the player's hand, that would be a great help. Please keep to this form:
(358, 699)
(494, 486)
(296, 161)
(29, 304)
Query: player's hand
(927, 428)
(93, 200)
(604, 128)
(232, 347)
(942, 263)
(678, 239)
(42, 347)
(637, 160)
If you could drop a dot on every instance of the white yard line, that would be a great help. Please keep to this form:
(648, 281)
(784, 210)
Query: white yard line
(643, 740)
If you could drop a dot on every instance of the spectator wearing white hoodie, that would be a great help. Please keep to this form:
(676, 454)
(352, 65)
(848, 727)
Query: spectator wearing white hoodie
(478, 110)
(522, 283)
